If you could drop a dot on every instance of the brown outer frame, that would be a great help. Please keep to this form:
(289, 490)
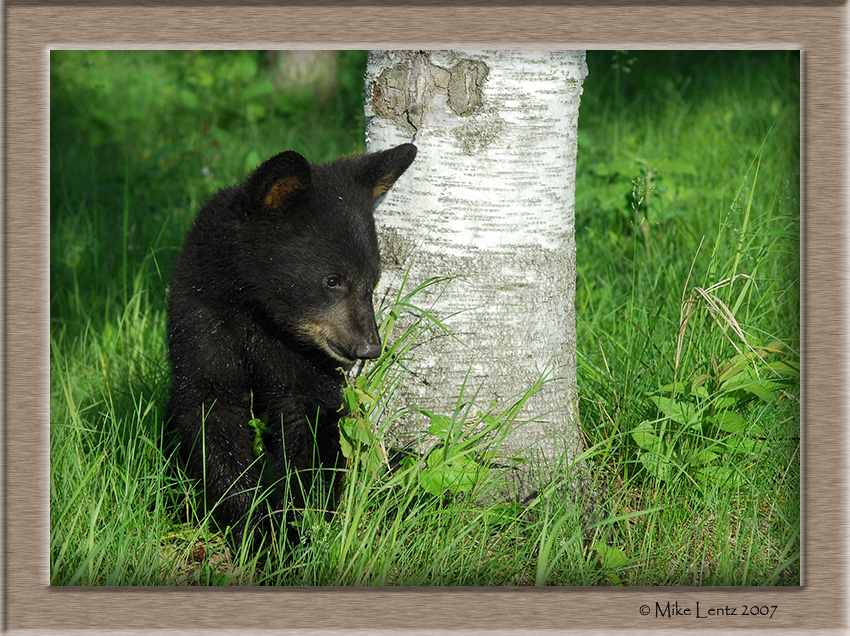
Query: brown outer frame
(34, 27)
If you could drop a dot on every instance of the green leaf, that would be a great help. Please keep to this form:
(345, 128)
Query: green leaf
(610, 558)
(349, 398)
(684, 413)
(362, 383)
(764, 390)
(457, 474)
(704, 456)
(345, 443)
(724, 403)
(732, 368)
(786, 369)
(359, 392)
(503, 514)
(730, 422)
(440, 425)
(360, 429)
(720, 475)
(645, 437)
(355, 431)
(656, 464)
(364, 397)
(431, 482)
(748, 381)
(371, 458)
(260, 429)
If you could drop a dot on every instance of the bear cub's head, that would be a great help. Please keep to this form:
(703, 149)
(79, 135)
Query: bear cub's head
(309, 255)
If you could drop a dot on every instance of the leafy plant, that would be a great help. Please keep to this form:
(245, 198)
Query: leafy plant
(711, 417)
(357, 438)
(611, 559)
(658, 189)
(365, 396)
(454, 465)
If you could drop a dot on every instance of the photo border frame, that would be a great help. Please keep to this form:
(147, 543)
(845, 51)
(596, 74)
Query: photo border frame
(33, 28)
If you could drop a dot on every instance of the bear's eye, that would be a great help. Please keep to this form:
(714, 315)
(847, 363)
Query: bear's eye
(333, 281)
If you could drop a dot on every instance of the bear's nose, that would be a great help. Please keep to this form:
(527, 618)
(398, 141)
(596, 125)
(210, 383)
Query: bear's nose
(368, 350)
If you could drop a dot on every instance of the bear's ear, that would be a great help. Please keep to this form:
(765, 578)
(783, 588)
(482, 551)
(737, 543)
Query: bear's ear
(278, 182)
(380, 170)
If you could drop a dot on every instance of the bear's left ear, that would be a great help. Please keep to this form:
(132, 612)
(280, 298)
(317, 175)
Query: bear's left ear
(380, 170)
(278, 183)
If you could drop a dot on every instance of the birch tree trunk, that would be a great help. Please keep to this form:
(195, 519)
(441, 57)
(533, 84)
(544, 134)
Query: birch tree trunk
(489, 199)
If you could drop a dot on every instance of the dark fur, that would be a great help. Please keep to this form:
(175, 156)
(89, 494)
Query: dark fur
(271, 295)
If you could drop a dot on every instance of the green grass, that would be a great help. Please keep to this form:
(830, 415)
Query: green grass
(688, 308)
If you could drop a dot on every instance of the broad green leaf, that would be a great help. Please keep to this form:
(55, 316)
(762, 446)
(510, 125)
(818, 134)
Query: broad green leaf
(372, 459)
(732, 368)
(362, 383)
(503, 514)
(704, 456)
(684, 413)
(786, 369)
(645, 437)
(701, 379)
(363, 397)
(720, 475)
(610, 558)
(349, 398)
(656, 464)
(730, 422)
(724, 403)
(431, 482)
(748, 381)
(440, 425)
(458, 474)
(765, 390)
(361, 430)
(344, 444)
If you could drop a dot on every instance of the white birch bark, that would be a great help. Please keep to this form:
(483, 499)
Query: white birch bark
(489, 199)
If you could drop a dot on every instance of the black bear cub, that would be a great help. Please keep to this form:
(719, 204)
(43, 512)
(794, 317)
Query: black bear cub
(271, 295)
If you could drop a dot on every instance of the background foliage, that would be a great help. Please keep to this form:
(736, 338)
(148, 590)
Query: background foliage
(688, 304)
